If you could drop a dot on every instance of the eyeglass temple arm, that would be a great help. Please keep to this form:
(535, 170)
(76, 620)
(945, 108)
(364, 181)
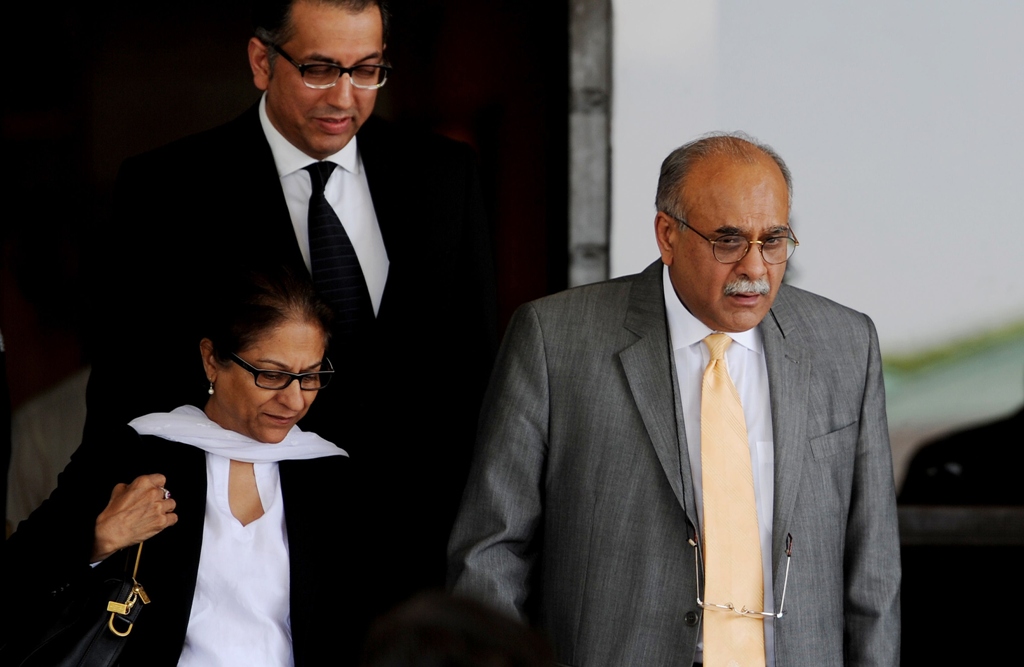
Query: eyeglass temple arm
(693, 539)
(785, 580)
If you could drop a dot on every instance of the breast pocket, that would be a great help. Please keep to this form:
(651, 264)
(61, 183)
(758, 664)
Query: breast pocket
(836, 442)
(830, 477)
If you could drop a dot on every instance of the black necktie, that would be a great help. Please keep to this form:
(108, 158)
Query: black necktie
(337, 276)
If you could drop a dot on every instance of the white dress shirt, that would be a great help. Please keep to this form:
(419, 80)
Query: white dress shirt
(347, 192)
(745, 360)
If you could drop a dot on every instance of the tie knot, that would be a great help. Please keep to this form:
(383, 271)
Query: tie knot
(717, 344)
(319, 173)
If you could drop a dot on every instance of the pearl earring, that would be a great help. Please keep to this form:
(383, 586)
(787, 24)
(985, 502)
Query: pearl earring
(210, 391)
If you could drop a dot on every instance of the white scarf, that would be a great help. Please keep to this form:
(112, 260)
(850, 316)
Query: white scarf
(190, 425)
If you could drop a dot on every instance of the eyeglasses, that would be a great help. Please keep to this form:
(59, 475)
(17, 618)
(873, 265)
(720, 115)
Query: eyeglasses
(326, 75)
(273, 379)
(697, 555)
(731, 248)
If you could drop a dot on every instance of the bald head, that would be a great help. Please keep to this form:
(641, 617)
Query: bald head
(680, 163)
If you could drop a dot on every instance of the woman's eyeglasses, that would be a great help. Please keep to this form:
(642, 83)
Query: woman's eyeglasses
(274, 379)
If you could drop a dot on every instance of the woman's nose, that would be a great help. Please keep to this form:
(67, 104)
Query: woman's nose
(291, 396)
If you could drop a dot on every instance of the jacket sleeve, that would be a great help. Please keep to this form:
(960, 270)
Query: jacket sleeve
(50, 550)
(872, 556)
(493, 546)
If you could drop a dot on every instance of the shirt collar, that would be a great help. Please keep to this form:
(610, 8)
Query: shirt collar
(288, 159)
(686, 330)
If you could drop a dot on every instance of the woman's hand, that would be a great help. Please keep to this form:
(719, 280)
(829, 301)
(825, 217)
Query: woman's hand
(136, 512)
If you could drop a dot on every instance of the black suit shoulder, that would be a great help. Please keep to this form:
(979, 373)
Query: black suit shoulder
(427, 196)
(378, 134)
(231, 138)
(224, 176)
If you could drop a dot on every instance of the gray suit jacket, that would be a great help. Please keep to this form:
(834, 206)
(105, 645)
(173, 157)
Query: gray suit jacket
(579, 504)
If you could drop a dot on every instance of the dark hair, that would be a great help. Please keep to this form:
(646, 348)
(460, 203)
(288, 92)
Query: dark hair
(438, 630)
(257, 302)
(680, 162)
(272, 19)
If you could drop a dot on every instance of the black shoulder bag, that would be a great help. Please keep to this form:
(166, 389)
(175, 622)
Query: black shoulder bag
(91, 623)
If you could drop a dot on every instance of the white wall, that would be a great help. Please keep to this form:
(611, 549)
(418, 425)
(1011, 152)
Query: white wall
(903, 124)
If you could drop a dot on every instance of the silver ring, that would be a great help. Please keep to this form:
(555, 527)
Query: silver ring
(167, 494)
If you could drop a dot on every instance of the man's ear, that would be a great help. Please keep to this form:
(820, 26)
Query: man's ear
(259, 62)
(666, 231)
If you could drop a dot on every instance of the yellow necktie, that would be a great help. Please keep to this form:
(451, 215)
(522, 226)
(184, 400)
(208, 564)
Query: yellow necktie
(732, 546)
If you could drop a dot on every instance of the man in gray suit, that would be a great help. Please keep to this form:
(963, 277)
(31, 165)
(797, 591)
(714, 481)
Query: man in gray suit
(584, 508)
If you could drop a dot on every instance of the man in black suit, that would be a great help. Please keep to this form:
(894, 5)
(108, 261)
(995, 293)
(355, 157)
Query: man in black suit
(410, 373)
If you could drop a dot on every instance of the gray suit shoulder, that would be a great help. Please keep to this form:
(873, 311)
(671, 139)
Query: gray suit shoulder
(802, 313)
(586, 305)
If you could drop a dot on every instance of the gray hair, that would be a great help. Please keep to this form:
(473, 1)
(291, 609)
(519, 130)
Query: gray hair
(272, 19)
(680, 162)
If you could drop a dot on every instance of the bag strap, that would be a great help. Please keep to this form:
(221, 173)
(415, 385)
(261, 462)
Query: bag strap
(138, 556)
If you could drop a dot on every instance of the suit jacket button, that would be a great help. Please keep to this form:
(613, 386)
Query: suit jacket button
(690, 618)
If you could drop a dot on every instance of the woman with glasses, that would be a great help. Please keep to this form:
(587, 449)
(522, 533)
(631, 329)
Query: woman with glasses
(244, 515)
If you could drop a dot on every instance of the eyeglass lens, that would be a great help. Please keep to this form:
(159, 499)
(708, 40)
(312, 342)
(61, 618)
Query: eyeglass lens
(732, 248)
(364, 76)
(276, 380)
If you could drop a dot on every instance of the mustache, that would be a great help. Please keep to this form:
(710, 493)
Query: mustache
(743, 286)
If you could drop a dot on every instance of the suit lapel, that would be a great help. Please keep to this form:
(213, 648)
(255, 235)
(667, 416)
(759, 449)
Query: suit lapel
(789, 371)
(262, 224)
(382, 190)
(650, 371)
(386, 196)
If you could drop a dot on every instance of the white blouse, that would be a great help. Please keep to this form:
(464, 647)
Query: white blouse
(240, 610)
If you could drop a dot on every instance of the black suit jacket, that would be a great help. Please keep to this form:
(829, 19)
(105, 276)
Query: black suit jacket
(404, 402)
(52, 547)
(975, 466)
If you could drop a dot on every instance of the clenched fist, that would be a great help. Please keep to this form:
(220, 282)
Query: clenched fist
(136, 512)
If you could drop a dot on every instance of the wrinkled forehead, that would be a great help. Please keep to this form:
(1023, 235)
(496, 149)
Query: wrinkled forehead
(736, 187)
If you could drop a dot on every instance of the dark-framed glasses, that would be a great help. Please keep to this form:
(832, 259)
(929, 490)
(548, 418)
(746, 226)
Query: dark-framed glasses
(275, 379)
(728, 606)
(326, 75)
(731, 248)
